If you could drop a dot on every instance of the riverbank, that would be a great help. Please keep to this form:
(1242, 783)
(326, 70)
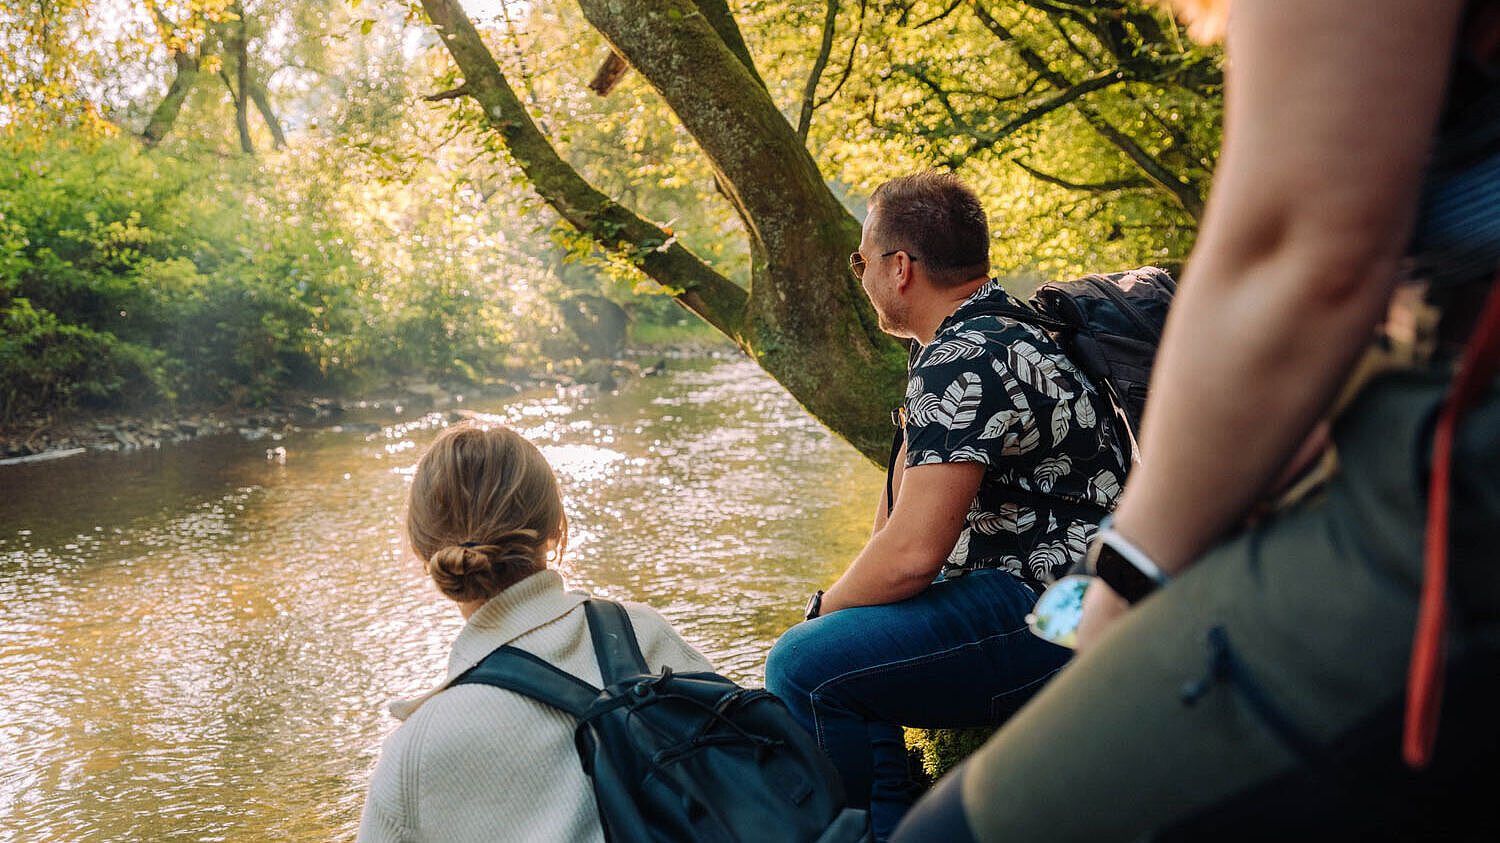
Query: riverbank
(44, 438)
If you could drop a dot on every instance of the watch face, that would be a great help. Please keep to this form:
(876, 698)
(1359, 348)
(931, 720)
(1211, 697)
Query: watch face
(814, 605)
(1118, 573)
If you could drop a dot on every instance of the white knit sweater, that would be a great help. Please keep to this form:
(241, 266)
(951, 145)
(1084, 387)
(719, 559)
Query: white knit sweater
(478, 763)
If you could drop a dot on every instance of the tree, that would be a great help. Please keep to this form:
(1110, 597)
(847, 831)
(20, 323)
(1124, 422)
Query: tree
(1146, 98)
(803, 318)
(205, 39)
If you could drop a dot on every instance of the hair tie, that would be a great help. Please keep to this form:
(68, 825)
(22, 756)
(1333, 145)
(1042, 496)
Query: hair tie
(468, 544)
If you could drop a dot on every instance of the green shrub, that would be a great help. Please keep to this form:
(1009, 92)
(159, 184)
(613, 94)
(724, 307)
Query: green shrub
(47, 365)
(937, 751)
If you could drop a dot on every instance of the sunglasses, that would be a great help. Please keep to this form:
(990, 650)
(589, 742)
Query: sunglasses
(857, 262)
(1057, 612)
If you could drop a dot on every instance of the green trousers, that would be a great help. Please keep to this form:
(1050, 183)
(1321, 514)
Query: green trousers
(1259, 695)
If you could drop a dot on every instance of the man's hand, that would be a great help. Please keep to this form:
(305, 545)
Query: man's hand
(1101, 608)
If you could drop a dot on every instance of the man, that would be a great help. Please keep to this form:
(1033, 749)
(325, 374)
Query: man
(1008, 465)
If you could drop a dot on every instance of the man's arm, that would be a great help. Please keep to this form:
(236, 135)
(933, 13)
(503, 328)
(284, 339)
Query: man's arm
(1330, 112)
(898, 468)
(905, 555)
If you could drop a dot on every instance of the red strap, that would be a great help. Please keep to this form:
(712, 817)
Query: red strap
(1424, 690)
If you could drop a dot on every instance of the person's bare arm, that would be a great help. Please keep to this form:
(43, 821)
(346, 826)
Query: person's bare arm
(882, 512)
(1330, 109)
(904, 556)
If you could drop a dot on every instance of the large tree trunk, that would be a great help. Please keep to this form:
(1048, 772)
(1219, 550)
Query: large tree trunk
(804, 319)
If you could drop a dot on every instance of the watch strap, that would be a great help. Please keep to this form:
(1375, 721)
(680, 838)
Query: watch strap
(814, 605)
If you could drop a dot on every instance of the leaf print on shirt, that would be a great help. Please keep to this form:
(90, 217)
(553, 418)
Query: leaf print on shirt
(1083, 411)
(914, 386)
(1061, 417)
(965, 345)
(960, 404)
(968, 454)
(1046, 559)
(925, 458)
(1105, 486)
(960, 553)
(1036, 370)
(922, 409)
(1010, 518)
(999, 423)
(1050, 470)
(1014, 390)
(1022, 441)
(1079, 534)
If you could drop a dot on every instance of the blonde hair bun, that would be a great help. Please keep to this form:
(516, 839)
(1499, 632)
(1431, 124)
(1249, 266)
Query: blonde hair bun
(483, 511)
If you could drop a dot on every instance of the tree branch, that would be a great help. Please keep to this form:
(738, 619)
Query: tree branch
(1085, 187)
(609, 74)
(940, 15)
(1184, 192)
(859, 29)
(810, 90)
(451, 94)
(262, 102)
(713, 297)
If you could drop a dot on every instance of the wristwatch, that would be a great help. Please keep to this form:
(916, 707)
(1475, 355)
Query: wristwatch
(814, 605)
(1123, 566)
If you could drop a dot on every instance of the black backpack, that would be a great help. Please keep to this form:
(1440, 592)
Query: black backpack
(1109, 325)
(683, 756)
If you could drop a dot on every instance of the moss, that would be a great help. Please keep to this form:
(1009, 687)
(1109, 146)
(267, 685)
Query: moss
(934, 752)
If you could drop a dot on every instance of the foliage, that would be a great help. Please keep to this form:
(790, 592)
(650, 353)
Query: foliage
(375, 232)
(136, 275)
(940, 750)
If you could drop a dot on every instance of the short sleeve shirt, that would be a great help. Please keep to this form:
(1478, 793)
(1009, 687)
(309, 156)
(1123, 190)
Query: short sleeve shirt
(993, 390)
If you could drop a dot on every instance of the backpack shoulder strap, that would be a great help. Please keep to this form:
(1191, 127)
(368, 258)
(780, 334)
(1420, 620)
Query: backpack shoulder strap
(615, 645)
(1111, 292)
(516, 670)
(1020, 313)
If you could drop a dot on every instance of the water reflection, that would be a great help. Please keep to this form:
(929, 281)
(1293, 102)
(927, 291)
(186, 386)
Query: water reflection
(197, 642)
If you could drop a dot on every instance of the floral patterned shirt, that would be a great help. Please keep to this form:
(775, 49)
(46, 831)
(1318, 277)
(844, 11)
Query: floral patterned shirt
(992, 390)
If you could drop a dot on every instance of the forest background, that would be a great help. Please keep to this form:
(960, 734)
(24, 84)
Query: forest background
(232, 201)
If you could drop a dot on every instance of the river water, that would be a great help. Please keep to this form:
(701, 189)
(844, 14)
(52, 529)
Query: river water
(197, 643)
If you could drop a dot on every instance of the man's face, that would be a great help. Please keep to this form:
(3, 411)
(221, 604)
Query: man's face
(880, 279)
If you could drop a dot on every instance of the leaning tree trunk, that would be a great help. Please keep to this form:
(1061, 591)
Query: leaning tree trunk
(239, 88)
(263, 105)
(164, 116)
(804, 319)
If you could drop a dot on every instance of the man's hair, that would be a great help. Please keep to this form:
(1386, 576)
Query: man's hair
(938, 219)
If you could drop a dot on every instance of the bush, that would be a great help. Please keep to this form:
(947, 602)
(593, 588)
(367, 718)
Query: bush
(45, 364)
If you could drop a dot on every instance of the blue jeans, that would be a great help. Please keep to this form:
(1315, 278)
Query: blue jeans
(957, 655)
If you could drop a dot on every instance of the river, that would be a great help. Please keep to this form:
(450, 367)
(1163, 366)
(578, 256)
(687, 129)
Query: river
(197, 642)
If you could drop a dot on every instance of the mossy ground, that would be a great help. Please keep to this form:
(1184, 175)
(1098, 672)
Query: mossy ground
(933, 752)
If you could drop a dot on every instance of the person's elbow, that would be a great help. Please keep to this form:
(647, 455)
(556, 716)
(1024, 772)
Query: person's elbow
(915, 561)
(1319, 255)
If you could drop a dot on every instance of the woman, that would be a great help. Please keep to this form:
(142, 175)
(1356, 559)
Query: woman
(1258, 688)
(476, 762)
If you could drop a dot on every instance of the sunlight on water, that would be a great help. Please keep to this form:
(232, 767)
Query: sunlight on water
(198, 642)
